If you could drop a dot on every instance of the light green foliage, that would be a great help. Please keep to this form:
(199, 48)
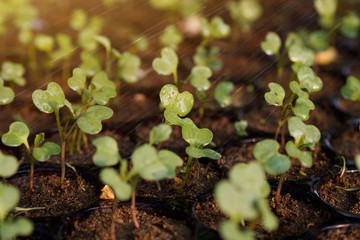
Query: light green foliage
(198, 138)
(350, 25)
(78, 80)
(208, 57)
(222, 93)
(272, 44)
(240, 128)
(49, 100)
(129, 67)
(9, 198)
(326, 10)
(249, 190)
(304, 135)
(304, 156)
(199, 78)
(266, 152)
(308, 80)
(141, 43)
(9, 165)
(107, 152)
(245, 12)
(17, 135)
(215, 29)
(302, 108)
(13, 72)
(65, 47)
(44, 152)
(351, 90)
(90, 63)
(173, 101)
(167, 63)
(44, 43)
(159, 133)
(171, 37)
(104, 41)
(230, 231)
(78, 19)
(90, 121)
(276, 95)
(121, 188)
(7, 95)
(301, 55)
(318, 40)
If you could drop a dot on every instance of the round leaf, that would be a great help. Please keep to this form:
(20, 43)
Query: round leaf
(304, 156)
(195, 136)
(302, 108)
(160, 133)
(277, 164)
(272, 44)
(78, 80)
(351, 90)
(9, 165)
(107, 152)
(43, 153)
(202, 153)
(276, 95)
(301, 54)
(9, 198)
(50, 100)
(199, 77)
(309, 80)
(17, 135)
(265, 149)
(222, 93)
(7, 95)
(167, 63)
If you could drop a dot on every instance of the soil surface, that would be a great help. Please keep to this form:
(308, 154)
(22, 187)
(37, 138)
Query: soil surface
(155, 223)
(332, 190)
(346, 142)
(342, 232)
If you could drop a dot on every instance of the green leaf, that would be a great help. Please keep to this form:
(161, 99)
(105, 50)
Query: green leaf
(129, 67)
(24, 226)
(195, 152)
(17, 135)
(357, 161)
(272, 44)
(269, 219)
(9, 165)
(302, 108)
(208, 57)
(50, 100)
(326, 7)
(230, 230)
(7, 95)
(295, 88)
(103, 88)
(90, 63)
(265, 149)
(78, 80)
(308, 80)
(107, 152)
(78, 19)
(304, 156)
(13, 72)
(180, 103)
(44, 152)
(167, 63)
(121, 188)
(90, 121)
(303, 134)
(301, 54)
(276, 95)
(319, 40)
(39, 139)
(293, 38)
(222, 93)
(9, 198)
(44, 43)
(197, 137)
(199, 78)
(350, 25)
(104, 41)
(351, 90)
(154, 166)
(240, 128)
(277, 164)
(215, 29)
(160, 133)
(171, 37)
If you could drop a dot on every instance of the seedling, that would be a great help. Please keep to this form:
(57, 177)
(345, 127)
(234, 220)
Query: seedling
(351, 90)
(171, 37)
(249, 191)
(12, 73)
(18, 135)
(147, 163)
(240, 128)
(167, 64)
(9, 165)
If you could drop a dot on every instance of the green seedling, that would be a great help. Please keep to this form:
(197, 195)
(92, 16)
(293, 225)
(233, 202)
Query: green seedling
(327, 12)
(64, 51)
(9, 165)
(41, 151)
(208, 57)
(12, 73)
(167, 64)
(245, 13)
(240, 128)
(249, 193)
(147, 163)
(128, 67)
(222, 93)
(11, 227)
(171, 37)
(351, 90)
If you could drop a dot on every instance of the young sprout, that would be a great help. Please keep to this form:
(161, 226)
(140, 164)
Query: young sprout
(128, 67)
(13, 73)
(245, 13)
(351, 90)
(167, 64)
(147, 162)
(9, 165)
(171, 37)
(223, 92)
(18, 135)
(64, 52)
(249, 193)
(327, 12)
(240, 128)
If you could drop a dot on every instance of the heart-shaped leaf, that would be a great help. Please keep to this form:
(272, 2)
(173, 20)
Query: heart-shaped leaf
(171, 37)
(50, 100)
(9, 165)
(302, 108)
(308, 79)
(199, 77)
(215, 29)
(159, 133)
(78, 80)
(180, 103)
(303, 134)
(121, 188)
(9, 197)
(277, 164)
(197, 137)
(195, 152)
(272, 44)
(304, 156)
(222, 93)
(7, 95)
(276, 95)
(13, 72)
(17, 135)
(265, 149)
(90, 121)
(168, 62)
(129, 67)
(107, 152)
(301, 54)
(351, 90)
(295, 88)
(44, 152)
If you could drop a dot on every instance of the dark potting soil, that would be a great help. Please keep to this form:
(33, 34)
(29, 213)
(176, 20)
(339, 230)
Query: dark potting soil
(75, 194)
(346, 143)
(346, 232)
(154, 224)
(328, 190)
(349, 107)
(296, 216)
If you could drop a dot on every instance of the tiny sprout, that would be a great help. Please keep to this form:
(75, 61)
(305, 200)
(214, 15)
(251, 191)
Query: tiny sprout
(78, 19)
(199, 78)
(240, 128)
(350, 25)
(351, 90)
(44, 43)
(171, 37)
(13, 72)
(222, 93)
(167, 64)
(208, 57)
(272, 44)
(276, 95)
(215, 29)
(129, 67)
(327, 10)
